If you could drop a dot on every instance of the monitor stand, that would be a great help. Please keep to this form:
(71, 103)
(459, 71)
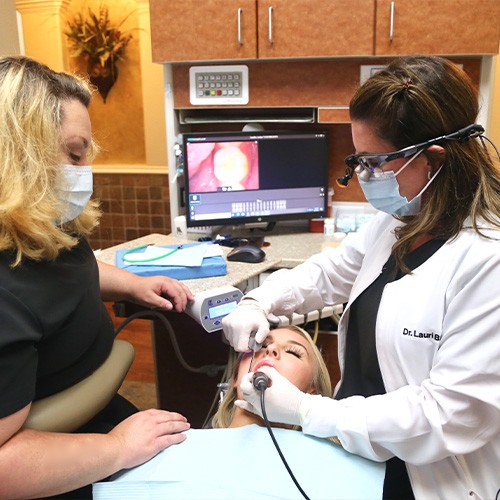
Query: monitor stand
(251, 233)
(246, 234)
(261, 226)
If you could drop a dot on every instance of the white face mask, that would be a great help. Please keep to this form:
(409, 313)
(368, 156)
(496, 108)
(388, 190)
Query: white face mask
(78, 187)
(382, 192)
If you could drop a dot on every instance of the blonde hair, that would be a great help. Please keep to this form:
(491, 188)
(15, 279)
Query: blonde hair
(321, 382)
(31, 97)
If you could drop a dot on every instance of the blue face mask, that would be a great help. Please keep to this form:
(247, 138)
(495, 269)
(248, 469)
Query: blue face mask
(382, 192)
(77, 190)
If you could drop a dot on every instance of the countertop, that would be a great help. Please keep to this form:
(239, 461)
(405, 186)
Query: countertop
(286, 250)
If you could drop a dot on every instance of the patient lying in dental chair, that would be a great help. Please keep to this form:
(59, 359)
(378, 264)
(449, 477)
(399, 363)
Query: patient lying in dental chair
(237, 458)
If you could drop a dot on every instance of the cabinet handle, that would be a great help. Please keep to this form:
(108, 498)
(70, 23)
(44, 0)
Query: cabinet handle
(270, 25)
(240, 12)
(391, 24)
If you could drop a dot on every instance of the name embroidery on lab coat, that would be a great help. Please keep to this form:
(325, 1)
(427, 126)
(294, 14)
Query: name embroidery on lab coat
(421, 335)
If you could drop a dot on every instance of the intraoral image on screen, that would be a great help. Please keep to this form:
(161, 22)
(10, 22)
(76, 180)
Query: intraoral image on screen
(240, 177)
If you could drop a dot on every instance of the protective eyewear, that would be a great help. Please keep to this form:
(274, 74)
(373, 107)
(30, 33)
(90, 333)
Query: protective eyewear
(365, 165)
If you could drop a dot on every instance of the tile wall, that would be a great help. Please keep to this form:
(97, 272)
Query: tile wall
(133, 205)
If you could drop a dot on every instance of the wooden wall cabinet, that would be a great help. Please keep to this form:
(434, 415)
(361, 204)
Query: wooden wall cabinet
(315, 28)
(437, 27)
(217, 30)
(220, 30)
(203, 30)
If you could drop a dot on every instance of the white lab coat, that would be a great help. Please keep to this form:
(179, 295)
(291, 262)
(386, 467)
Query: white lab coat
(438, 345)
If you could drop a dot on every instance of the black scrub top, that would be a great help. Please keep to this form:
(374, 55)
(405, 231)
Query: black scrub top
(54, 327)
(362, 376)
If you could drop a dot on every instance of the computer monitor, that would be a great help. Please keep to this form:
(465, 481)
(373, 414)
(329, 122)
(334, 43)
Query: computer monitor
(234, 178)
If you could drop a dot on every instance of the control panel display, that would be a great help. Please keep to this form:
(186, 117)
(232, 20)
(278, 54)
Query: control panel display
(222, 310)
(210, 307)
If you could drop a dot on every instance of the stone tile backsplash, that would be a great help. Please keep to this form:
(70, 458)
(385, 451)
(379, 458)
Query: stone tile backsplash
(133, 205)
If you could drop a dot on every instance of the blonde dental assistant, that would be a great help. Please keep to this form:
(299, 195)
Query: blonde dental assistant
(418, 341)
(55, 328)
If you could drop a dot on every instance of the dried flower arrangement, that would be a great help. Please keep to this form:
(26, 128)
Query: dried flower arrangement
(101, 45)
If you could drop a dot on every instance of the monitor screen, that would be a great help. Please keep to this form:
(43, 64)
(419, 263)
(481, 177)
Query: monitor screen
(246, 177)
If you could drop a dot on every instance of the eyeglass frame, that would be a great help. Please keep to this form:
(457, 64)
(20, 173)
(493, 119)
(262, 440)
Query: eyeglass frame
(354, 160)
(358, 159)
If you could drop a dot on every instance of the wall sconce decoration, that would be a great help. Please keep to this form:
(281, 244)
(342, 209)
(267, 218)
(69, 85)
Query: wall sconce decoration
(100, 44)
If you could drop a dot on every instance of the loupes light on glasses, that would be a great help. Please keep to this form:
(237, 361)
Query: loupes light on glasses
(366, 164)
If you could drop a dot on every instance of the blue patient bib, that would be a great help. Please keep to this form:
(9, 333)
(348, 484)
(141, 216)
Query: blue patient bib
(243, 463)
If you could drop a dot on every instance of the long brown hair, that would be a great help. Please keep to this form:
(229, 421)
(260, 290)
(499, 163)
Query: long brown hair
(417, 98)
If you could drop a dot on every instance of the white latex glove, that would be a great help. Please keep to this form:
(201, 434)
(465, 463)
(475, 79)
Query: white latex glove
(284, 402)
(247, 317)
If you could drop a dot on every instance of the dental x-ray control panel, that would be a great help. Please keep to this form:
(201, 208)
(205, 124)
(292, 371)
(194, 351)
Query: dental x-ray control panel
(219, 85)
(209, 307)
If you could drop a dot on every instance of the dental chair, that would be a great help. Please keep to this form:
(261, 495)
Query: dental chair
(70, 409)
(333, 312)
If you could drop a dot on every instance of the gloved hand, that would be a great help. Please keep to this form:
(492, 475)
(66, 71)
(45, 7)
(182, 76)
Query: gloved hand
(248, 317)
(285, 403)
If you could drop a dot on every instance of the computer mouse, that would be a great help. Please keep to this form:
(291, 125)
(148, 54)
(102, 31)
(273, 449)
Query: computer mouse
(246, 253)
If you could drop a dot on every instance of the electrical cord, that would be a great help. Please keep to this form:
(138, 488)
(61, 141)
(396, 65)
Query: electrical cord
(316, 331)
(482, 137)
(262, 389)
(210, 370)
(224, 379)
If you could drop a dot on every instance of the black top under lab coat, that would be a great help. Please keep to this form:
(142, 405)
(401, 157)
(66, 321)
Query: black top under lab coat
(362, 376)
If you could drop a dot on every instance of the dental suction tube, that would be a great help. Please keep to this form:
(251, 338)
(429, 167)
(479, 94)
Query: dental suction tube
(260, 381)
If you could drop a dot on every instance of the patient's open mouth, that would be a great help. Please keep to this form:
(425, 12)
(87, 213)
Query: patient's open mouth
(264, 362)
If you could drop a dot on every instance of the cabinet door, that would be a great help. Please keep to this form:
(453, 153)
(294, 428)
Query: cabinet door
(437, 27)
(203, 30)
(315, 28)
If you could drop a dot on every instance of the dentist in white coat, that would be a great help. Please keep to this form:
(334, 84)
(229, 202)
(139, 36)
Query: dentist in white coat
(419, 340)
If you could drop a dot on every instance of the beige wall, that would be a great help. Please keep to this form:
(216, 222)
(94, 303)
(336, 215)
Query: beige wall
(495, 107)
(153, 98)
(9, 40)
(42, 29)
(130, 126)
(118, 124)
